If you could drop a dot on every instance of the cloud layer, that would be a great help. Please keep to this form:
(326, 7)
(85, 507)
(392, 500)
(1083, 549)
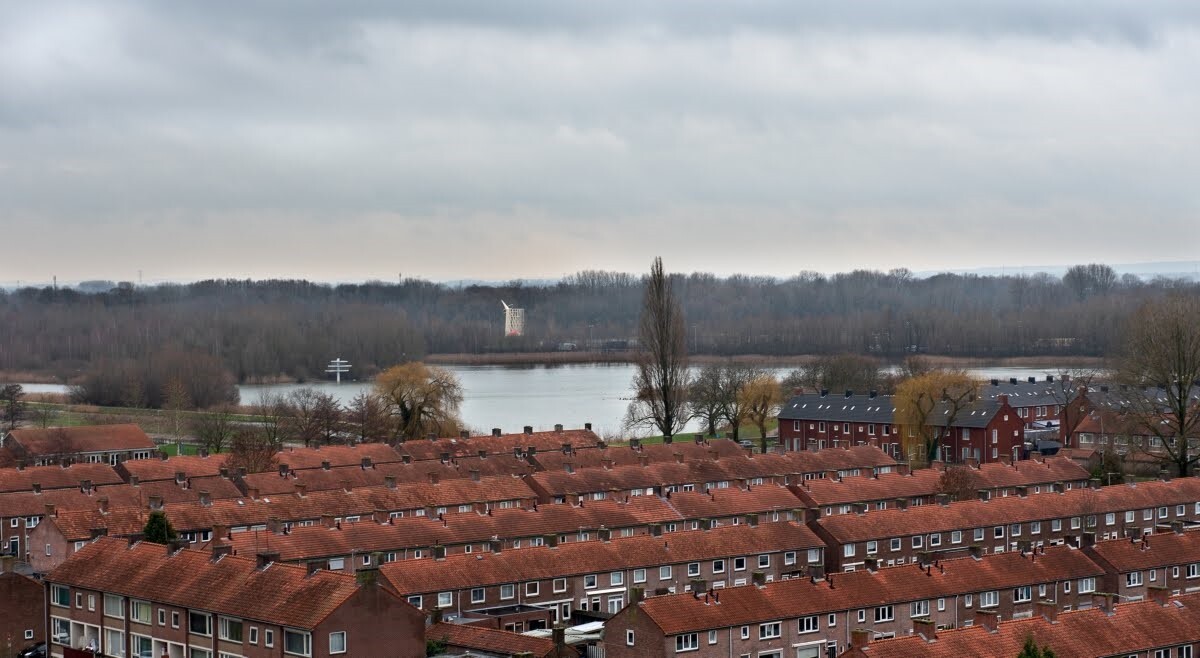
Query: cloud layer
(504, 140)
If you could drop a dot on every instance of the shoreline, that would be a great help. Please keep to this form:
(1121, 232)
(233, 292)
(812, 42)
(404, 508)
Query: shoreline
(543, 359)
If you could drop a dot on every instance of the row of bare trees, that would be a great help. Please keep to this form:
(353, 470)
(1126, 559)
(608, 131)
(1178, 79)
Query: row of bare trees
(261, 330)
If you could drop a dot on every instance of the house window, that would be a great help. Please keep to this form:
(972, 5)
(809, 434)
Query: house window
(629, 638)
(1056, 525)
(414, 601)
(884, 613)
(1022, 594)
(199, 623)
(686, 642)
(559, 585)
(139, 611)
(989, 599)
(941, 605)
(508, 591)
(1087, 585)
(712, 637)
(918, 541)
(862, 616)
(872, 547)
(745, 632)
(478, 595)
(1193, 570)
(764, 561)
(718, 566)
(769, 631)
(297, 643)
(848, 550)
(956, 537)
(808, 625)
(337, 642)
(445, 599)
(175, 619)
(60, 595)
(821, 427)
(589, 581)
(269, 635)
(230, 629)
(919, 609)
(639, 575)
(1133, 579)
(998, 532)
(616, 578)
(977, 534)
(739, 564)
(664, 572)
(935, 539)
(895, 544)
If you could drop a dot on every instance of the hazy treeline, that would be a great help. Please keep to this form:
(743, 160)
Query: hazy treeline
(284, 328)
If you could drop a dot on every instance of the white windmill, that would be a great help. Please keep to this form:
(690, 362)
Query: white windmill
(514, 320)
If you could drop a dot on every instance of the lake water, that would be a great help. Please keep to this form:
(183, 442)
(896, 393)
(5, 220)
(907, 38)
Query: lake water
(512, 397)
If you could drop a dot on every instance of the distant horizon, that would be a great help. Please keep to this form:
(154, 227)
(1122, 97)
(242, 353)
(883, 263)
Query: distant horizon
(1186, 269)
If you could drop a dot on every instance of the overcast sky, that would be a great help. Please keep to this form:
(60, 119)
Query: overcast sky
(497, 140)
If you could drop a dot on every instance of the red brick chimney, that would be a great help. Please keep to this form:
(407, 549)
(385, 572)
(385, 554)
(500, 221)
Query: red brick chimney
(987, 619)
(860, 638)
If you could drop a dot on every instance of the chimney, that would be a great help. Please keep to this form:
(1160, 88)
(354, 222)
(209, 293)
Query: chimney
(445, 457)
(433, 478)
(205, 498)
(464, 434)
(380, 516)
(1048, 610)
(252, 492)
(707, 524)
(439, 552)
(283, 470)
(566, 449)
(644, 460)
(872, 394)
(1012, 380)
(162, 455)
(587, 426)
(987, 619)
(86, 486)
(698, 586)
(1104, 602)
(432, 436)
(925, 628)
(37, 487)
(496, 431)
(635, 443)
(551, 541)
(824, 392)
(313, 566)
(528, 429)
(406, 459)
(752, 520)
(976, 551)
(366, 463)
(557, 428)
(274, 526)
(474, 472)
(942, 499)
(860, 638)
(656, 530)
(606, 463)
(849, 393)
(678, 457)
(569, 466)
(102, 504)
(1160, 595)
(1022, 490)
(559, 635)
(99, 532)
(872, 564)
(327, 521)
(482, 454)
(174, 546)
(480, 507)
(495, 545)
(389, 481)
(265, 558)
(301, 489)
(636, 595)
(759, 578)
(325, 465)
(1164, 475)
(902, 503)
(816, 572)
(903, 469)
(156, 503)
(605, 534)
(995, 382)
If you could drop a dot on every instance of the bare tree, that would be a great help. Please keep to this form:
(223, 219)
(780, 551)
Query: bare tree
(661, 381)
(253, 448)
(214, 429)
(301, 422)
(1162, 364)
(1090, 279)
(736, 411)
(175, 403)
(328, 416)
(959, 482)
(367, 417)
(707, 396)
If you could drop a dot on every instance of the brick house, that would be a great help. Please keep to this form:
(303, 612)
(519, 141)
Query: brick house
(804, 617)
(22, 602)
(150, 600)
(45, 478)
(475, 639)
(342, 546)
(1002, 524)
(498, 443)
(1165, 559)
(984, 432)
(548, 582)
(1159, 628)
(102, 444)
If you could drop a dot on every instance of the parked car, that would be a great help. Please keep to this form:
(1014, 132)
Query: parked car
(36, 651)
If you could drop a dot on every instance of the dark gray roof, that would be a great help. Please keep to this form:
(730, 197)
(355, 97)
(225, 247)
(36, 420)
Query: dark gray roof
(880, 409)
(1024, 393)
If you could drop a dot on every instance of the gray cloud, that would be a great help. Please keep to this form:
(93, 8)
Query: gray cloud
(481, 139)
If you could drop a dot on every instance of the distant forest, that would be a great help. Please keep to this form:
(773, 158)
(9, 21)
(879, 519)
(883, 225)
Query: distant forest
(291, 329)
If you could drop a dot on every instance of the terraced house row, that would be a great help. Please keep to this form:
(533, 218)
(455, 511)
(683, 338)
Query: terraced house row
(808, 616)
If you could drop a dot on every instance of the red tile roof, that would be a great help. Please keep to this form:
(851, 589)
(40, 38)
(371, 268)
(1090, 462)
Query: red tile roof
(490, 640)
(961, 515)
(85, 438)
(150, 470)
(338, 455)
(30, 504)
(544, 562)
(886, 486)
(1028, 472)
(553, 460)
(338, 477)
(493, 445)
(863, 589)
(279, 594)
(56, 477)
(412, 532)
(1149, 552)
(733, 501)
(1133, 628)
